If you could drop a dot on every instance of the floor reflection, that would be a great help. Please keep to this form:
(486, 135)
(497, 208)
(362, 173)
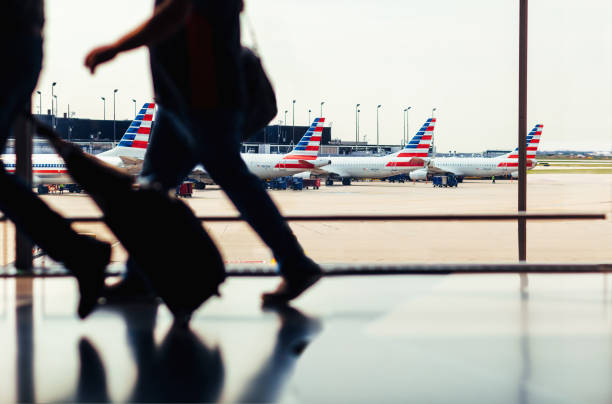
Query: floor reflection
(182, 368)
(296, 332)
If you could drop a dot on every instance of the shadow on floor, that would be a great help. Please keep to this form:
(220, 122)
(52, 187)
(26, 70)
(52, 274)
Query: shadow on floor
(182, 368)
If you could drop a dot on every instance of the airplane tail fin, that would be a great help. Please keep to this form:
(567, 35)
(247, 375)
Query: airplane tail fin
(417, 149)
(309, 145)
(420, 144)
(136, 138)
(533, 142)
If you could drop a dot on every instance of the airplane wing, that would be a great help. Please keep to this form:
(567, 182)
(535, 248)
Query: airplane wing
(131, 161)
(199, 173)
(132, 165)
(431, 168)
(329, 171)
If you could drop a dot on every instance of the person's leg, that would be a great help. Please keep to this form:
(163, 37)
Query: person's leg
(169, 157)
(218, 134)
(84, 256)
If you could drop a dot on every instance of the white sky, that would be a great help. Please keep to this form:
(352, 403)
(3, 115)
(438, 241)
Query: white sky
(458, 56)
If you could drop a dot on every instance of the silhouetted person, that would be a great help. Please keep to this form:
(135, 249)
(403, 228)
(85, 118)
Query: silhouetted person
(21, 23)
(197, 74)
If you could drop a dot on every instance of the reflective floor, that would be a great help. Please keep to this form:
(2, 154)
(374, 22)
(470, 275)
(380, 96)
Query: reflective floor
(433, 339)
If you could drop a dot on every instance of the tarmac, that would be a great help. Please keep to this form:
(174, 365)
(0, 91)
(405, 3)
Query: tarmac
(406, 242)
(502, 338)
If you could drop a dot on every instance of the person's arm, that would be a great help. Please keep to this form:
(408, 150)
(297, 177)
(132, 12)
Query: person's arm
(166, 19)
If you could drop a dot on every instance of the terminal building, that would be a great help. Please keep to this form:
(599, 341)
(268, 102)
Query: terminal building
(85, 130)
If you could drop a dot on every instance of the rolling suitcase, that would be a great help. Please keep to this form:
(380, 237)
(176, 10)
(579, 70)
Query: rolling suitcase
(164, 238)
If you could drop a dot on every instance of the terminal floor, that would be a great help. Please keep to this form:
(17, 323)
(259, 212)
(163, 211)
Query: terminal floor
(423, 339)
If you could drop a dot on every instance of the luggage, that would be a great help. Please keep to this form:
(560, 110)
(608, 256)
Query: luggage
(260, 97)
(162, 235)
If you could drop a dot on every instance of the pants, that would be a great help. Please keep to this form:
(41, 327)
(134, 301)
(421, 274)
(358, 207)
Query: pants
(18, 77)
(212, 138)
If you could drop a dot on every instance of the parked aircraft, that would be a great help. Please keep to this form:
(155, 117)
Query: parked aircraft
(128, 154)
(410, 158)
(483, 166)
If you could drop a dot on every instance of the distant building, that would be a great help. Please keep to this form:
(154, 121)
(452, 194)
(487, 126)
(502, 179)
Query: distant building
(494, 153)
(286, 134)
(85, 130)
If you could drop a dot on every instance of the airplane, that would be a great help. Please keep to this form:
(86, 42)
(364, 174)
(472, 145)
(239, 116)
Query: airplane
(303, 157)
(128, 154)
(412, 157)
(483, 166)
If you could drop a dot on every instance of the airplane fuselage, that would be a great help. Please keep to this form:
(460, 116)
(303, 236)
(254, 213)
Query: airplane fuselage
(269, 166)
(367, 167)
(476, 166)
(51, 168)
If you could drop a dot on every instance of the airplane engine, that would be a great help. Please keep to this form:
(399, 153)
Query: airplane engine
(304, 174)
(514, 174)
(321, 162)
(418, 175)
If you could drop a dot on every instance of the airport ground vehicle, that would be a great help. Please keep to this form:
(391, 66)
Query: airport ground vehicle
(445, 181)
(312, 182)
(297, 184)
(185, 190)
(398, 178)
(278, 183)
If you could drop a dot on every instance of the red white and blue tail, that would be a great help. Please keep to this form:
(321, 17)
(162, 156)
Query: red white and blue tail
(136, 138)
(420, 144)
(417, 149)
(533, 142)
(307, 150)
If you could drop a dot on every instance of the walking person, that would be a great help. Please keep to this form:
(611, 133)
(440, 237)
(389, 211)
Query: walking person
(195, 55)
(21, 23)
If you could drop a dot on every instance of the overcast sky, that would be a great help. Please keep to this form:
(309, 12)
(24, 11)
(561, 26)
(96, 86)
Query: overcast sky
(458, 56)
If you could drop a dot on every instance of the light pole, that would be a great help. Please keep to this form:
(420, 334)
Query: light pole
(406, 125)
(293, 124)
(322, 102)
(114, 118)
(285, 130)
(358, 112)
(39, 102)
(433, 147)
(356, 125)
(52, 85)
(56, 111)
(104, 101)
(377, 140)
(134, 101)
(309, 111)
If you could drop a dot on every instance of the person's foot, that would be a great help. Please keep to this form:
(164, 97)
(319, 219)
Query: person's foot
(90, 276)
(297, 278)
